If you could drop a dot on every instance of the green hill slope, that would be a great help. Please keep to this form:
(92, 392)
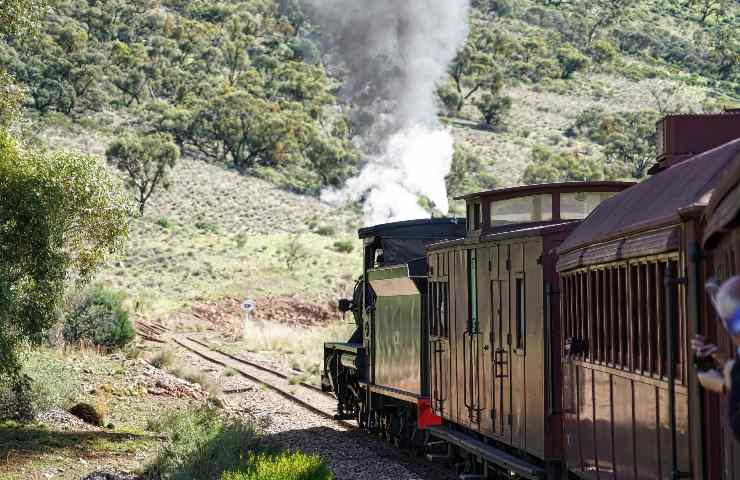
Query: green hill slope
(243, 89)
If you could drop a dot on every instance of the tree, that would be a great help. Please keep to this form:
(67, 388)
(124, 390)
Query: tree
(474, 67)
(468, 173)
(628, 139)
(552, 167)
(494, 109)
(147, 161)
(60, 216)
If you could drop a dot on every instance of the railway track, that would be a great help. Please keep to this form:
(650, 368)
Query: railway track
(303, 394)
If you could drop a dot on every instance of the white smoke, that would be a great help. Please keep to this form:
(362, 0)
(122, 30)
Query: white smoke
(396, 53)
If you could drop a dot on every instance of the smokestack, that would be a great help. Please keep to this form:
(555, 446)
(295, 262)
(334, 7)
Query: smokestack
(396, 53)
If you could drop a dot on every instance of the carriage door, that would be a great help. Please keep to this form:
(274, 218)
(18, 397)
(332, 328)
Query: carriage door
(516, 340)
(501, 342)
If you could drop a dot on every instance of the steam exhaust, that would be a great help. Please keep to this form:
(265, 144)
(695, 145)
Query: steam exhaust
(396, 52)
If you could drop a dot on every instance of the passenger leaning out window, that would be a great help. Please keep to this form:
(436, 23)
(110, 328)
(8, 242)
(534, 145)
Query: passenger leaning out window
(716, 372)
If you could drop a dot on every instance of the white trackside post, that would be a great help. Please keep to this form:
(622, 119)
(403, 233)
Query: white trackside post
(247, 306)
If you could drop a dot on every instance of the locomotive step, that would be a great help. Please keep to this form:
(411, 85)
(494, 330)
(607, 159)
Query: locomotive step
(487, 452)
(437, 457)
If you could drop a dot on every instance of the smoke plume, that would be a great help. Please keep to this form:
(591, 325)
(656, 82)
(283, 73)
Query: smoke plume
(395, 52)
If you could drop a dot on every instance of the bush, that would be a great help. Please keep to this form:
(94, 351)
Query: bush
(207, 227)
(202, 445)
(18, 400)
(494, 109)
(450, 98)
(284, 466)
(99, 317)
(344, 246)
(326, 231)
(163, 358)
(164, 223)
(571, 60)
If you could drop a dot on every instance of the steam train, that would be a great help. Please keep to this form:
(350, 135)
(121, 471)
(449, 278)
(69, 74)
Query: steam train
(546, 335)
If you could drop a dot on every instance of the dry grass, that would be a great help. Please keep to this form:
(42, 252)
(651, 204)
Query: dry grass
(163, 358)
(209, 384)
(301, 349)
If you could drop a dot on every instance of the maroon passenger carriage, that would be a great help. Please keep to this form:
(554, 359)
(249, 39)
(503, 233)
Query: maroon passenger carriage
(558, 328)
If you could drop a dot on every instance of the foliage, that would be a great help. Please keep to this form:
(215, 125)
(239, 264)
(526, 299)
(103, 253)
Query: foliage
(11, 97)
(628, 139)
(551, 167)
(570, 60)
(494, 109)
(294, 252)
(20, 16)
(201, 445)
(100, 318)
(146, 161)
(234, 83)
(474, 68)
(61, 215)
(468, 173)
(344, 246)
(18, 400)
(283, 466)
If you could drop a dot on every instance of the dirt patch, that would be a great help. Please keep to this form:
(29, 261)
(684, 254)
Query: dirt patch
(223, 314)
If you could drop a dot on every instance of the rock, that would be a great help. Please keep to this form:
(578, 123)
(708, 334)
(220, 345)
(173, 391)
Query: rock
(111, 475)
(87, 413)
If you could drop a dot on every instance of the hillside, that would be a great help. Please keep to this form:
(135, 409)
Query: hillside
(246, 93)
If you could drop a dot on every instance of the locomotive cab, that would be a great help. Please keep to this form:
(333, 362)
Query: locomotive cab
(385, 356)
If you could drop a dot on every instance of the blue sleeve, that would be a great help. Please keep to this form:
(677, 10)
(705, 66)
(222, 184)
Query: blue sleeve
(733, 405)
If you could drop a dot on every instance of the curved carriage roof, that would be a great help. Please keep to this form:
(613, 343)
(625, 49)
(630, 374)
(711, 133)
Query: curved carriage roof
(656, 201)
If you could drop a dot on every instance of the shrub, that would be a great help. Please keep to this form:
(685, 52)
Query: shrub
(164, 223)
(603, 51)
(207, 227)
(326, 231)
(494, 109)
(202, 445)
(344, 246)
(18, 400)
(284, 466)
(99, 317)
(294, 252)
(571, 60)
(450, 98)
(163, 358)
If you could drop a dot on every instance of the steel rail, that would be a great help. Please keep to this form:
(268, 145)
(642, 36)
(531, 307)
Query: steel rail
(260, 376)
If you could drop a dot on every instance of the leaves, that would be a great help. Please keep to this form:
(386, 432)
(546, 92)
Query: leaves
(146, 161)
(61, 215)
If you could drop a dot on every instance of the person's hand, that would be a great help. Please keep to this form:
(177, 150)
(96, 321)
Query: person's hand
(702, 349)
(712, 381)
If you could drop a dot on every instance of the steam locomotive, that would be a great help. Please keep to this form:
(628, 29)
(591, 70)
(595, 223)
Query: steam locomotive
(546, 335)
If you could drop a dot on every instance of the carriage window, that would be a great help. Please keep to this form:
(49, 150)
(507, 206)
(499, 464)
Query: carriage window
(577, 206)
(474, 217)
(472, 292)
(535, 208)
(623, 324)
(520, 318)
(438, 298)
